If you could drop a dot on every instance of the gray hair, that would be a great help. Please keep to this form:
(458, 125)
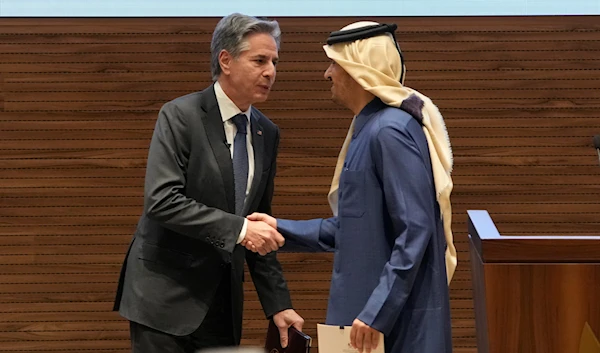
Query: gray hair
(231, 33)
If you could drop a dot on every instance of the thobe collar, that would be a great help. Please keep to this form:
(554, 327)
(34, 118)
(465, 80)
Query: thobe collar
(365, 115)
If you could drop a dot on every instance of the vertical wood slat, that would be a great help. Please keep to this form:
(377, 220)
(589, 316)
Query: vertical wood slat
(79, 97)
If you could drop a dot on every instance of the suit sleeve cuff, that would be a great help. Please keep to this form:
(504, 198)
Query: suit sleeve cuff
(243, 231)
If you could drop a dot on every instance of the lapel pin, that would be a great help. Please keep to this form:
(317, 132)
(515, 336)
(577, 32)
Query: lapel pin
(259, 132)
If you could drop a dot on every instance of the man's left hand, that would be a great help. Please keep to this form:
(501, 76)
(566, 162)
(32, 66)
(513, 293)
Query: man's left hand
(283, 320)
(363, 337)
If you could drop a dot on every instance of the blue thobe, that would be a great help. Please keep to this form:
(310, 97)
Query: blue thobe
(388, 238)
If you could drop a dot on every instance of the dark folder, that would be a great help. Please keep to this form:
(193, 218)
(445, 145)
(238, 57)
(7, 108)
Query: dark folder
(298, 342)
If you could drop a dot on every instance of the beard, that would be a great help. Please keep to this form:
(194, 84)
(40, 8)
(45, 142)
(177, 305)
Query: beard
(338, 100)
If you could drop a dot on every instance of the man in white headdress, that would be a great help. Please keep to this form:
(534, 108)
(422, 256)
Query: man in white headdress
(390, 196)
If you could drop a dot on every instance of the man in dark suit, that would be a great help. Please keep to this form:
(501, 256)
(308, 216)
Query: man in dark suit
(211, 162)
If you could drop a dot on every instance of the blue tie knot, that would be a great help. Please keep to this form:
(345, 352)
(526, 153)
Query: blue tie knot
(240, 122)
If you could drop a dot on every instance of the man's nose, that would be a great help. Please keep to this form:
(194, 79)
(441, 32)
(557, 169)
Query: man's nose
(269, 71)
(327, 73)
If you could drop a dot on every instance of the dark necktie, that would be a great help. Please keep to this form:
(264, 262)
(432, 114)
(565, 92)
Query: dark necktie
(240, 162)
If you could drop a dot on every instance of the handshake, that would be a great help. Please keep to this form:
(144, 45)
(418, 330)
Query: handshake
(262, 235)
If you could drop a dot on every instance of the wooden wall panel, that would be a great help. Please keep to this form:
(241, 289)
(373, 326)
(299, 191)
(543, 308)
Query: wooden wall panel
(78, 102)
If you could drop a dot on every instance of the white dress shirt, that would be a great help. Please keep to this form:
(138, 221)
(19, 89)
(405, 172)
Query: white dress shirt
(228, 110)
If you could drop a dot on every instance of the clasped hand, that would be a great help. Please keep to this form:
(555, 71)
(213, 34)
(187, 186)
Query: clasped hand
(262, 235)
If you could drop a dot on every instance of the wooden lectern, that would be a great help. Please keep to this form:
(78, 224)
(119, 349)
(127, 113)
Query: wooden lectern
(534, 294)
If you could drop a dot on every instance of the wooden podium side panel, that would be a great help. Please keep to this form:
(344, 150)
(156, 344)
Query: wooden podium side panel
(540, 308)
(479, 299)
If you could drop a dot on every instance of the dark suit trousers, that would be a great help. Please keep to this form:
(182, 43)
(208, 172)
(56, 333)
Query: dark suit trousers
(215, 331)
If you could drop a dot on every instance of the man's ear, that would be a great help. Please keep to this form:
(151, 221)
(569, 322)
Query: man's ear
(225, 60)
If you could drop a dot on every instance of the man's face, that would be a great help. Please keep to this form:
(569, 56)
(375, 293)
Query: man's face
(253, 73)
(343, 85)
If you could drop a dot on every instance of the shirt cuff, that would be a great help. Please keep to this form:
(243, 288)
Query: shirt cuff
(243, 231)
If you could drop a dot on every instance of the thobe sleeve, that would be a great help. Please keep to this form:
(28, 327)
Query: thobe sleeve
(315, 235)
(409, 198)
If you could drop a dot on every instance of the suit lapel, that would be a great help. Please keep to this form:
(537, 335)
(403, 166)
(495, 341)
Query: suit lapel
(258, 147)
(213, 124)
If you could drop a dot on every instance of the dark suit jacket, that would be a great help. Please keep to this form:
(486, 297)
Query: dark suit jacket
(185, 242)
